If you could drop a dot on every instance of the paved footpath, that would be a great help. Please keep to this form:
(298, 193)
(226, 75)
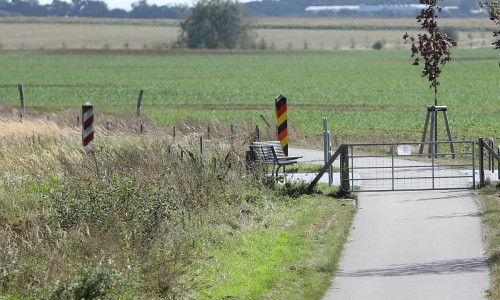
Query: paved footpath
(412, 245)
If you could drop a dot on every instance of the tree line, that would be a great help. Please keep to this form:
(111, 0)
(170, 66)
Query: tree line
(264, 8)
(87, 8)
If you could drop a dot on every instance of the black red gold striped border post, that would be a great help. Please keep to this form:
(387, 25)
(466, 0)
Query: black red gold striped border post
(88, 127)
(281, 114)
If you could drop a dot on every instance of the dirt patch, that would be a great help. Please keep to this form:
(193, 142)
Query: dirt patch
(257, 106)
(61, 85)
(166, 52)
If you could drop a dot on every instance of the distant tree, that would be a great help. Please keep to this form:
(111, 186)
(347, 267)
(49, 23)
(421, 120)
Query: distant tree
(59, 8)
(118, 13)
(142, 9)
(215, 24)
(492, 9)
(28, 7)
(93, 8)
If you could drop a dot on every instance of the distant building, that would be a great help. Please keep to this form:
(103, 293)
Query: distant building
(373, 8)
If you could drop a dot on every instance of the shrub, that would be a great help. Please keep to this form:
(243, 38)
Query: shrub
(378, 45)
(99, 281)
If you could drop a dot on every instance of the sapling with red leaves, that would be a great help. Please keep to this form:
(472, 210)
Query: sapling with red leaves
(432, 47)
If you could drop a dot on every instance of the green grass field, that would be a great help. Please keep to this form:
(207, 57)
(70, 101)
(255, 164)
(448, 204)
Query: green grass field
(366, 95)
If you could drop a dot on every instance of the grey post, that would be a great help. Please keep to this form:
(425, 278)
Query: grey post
(491, 164)
(325, 145)
(139, 103)
(344, 169)
(330, 169)
(481, 163)
(257, 133)
(433, 124)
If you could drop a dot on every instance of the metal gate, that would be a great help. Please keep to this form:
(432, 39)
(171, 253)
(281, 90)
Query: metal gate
(402, 167)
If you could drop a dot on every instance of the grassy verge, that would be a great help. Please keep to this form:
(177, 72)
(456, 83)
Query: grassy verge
(291, 253)
(489, 198)
(134, 221)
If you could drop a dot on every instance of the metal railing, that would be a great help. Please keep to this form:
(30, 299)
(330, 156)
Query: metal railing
(399, 167)
(492, 156)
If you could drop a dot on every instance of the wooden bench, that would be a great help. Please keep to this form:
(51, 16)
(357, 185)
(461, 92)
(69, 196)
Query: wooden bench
(267, 154)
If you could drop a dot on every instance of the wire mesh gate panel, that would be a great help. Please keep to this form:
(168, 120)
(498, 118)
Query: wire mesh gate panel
(399, 166)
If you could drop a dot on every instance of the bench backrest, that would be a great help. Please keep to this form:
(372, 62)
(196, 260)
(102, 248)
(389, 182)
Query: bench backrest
(264, 152)
(277, 147)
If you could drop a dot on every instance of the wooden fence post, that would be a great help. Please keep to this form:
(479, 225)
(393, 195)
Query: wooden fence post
(201, 145)
(139, 103)
(21, 96)
(232, 133)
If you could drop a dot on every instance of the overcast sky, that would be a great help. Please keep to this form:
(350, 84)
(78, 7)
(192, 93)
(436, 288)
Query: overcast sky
(127, 4)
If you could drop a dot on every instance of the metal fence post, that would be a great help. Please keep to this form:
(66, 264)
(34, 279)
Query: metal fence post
(491, 164)
(344, 169)
(325, 145)
(330, 169)
(481, 163)
(257, 133)
(88, 127)
(498, 167)
(392, 165)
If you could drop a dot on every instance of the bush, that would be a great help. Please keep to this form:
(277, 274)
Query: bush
(378, 45)
(450, 32)
(92, 282)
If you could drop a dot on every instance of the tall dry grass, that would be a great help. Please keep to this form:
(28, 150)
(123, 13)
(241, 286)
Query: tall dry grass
(129, 218)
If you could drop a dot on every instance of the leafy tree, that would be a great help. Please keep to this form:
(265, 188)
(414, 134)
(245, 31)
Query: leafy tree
(215, 24)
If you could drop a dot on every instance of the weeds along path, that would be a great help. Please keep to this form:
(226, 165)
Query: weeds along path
(412, 245)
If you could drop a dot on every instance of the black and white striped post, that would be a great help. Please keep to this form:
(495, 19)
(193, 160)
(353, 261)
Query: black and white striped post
(88, 127)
